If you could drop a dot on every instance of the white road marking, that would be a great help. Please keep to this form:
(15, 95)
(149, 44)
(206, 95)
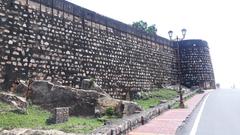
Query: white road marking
(195, 125)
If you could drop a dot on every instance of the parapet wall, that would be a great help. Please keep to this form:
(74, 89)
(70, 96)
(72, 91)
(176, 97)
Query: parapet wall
(43, 41)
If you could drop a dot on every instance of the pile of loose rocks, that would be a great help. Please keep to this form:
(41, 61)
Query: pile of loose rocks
(19, 103)
(83, 102)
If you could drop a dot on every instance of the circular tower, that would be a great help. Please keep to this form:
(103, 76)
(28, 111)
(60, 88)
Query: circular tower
(196, 65)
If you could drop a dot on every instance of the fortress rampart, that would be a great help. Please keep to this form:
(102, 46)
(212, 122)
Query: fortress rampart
(59, 41)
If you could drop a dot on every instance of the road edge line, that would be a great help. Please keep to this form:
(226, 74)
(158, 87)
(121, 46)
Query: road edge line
(197, 120)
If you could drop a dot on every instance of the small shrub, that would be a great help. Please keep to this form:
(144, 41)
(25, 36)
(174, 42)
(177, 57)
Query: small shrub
(109, 111)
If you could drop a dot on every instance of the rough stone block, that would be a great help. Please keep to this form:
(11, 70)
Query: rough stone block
(61, 115)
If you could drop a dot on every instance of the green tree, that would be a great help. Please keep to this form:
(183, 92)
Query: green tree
(152, 29)
(143, 26)
(140, 25)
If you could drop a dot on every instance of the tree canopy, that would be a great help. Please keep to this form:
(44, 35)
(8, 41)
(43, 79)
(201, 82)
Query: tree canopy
(143, 26)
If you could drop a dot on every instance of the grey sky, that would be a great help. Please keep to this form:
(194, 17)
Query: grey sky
(216, 21)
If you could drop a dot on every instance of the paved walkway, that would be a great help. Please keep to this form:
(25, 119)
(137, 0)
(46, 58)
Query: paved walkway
(168, 122)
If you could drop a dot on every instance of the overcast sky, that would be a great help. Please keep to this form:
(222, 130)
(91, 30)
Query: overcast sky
(216, 21)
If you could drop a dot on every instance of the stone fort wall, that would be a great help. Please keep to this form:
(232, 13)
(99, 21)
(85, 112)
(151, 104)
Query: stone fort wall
(196, 65)
(65, 43)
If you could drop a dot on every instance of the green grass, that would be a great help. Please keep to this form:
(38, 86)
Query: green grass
(5, 107)
(36, 119)
(153, 98)
(77, 125)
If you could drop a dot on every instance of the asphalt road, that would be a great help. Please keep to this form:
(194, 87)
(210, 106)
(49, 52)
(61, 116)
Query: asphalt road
(217, 114)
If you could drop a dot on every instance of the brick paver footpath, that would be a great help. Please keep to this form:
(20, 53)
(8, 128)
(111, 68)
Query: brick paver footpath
(168, 122)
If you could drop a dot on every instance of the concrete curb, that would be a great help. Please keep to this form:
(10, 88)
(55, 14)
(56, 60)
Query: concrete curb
(189, 116)
(126, 124)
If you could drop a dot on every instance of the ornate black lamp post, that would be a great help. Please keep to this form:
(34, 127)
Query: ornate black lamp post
(170, 33)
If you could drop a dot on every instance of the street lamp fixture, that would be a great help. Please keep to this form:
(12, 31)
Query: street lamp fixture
(184, 31)
(170, 33)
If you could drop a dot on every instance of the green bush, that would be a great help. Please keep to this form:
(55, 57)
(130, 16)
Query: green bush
(109, 111)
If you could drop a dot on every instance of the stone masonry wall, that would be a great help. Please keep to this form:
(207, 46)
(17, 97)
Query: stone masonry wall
(196, 65)
(45, 41)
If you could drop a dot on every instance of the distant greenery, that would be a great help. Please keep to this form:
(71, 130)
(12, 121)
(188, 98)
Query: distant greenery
(153, 98)
(143, 26)
(36, 119)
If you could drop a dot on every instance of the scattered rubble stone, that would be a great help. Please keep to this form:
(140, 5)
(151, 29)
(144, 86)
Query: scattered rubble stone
(130, 108)
(80, 102)
(18, 102)
(21, 88)
(121, 107)
(90, 84)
